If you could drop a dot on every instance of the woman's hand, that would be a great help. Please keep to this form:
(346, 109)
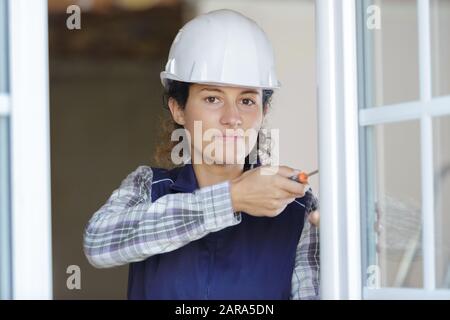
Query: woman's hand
(314, 218)
(265, 191)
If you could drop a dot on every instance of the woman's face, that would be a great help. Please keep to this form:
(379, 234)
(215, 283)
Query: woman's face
(223, 122)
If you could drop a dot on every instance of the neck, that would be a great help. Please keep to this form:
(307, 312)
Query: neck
(208, 175)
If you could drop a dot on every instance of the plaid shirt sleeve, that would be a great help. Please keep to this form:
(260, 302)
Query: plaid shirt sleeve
(129, 227)
(305, 278)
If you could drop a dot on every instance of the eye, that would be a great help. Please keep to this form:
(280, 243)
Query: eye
(212, 99)
(248, 102)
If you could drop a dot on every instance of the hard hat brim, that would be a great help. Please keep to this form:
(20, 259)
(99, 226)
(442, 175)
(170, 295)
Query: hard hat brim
(169, 76)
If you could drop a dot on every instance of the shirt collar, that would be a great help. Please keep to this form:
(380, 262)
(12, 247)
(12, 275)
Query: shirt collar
(186, 181)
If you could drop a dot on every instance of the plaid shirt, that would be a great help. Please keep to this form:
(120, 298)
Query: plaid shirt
(129, 227)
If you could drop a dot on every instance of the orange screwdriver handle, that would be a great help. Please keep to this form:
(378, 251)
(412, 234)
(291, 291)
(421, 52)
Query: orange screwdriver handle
(302, 177)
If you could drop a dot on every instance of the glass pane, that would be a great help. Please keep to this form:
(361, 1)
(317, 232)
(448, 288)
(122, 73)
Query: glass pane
(393, 222)
(442, 200)
(391, 73)
(440, 46)
(3, 48)
(5, 261)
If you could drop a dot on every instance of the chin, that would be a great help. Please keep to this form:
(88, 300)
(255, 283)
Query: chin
(222, 156)
(230, 160)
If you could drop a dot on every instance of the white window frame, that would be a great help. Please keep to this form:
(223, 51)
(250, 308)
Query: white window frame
(340, 250)
(27, 105)
(340, 121)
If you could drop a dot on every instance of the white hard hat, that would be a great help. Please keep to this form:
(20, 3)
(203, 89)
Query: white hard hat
(222, 47)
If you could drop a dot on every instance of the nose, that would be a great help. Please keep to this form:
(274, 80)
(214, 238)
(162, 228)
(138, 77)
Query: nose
(231, 116)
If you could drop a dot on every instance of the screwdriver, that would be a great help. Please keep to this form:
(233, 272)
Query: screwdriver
(302, 177)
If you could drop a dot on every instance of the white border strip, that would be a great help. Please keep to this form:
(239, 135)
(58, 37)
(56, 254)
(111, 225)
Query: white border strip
(405, 111)
(4, 105)
(330, 267)
(405, 294)
(426, 139)
(30, 150)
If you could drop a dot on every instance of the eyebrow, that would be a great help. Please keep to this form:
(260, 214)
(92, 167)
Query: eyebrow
(221, 91)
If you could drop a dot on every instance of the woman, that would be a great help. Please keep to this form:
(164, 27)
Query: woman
(221, 226)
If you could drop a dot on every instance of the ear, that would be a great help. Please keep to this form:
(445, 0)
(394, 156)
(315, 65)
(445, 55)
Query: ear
(176, 111)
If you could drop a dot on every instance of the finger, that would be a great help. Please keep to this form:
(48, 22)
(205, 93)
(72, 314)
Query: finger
(287, 172)
(284, 195)
(307, 187)
(284, 203)
(288, 201)
(293, 187)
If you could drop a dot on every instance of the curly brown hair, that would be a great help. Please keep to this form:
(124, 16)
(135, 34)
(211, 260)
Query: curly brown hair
(179, 91)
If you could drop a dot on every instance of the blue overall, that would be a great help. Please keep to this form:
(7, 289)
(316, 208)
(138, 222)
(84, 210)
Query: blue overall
(251, 260)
